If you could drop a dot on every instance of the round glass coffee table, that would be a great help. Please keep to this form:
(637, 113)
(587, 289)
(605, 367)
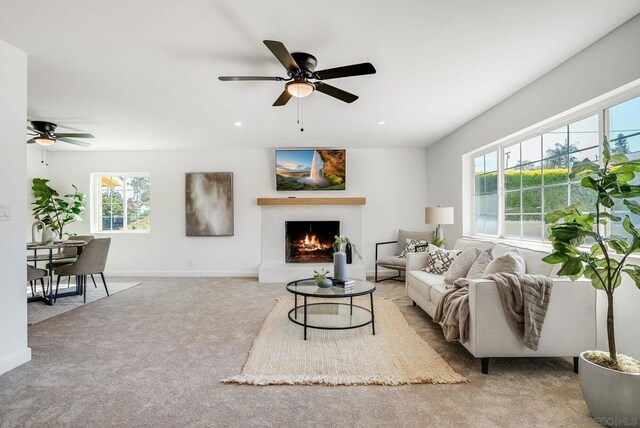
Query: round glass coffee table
(331, 315)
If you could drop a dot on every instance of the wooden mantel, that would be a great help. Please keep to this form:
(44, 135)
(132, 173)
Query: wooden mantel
(312, 201)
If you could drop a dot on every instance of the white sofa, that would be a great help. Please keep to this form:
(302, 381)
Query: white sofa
(570, 323)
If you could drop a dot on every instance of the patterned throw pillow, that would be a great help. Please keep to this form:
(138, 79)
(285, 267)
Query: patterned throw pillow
(410, 246)
(439, 261)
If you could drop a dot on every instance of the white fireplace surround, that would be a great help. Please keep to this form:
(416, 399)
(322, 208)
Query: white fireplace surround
(274, 268)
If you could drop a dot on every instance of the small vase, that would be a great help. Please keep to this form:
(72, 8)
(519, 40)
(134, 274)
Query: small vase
(340, 266)
(324, 283)
(349, 250)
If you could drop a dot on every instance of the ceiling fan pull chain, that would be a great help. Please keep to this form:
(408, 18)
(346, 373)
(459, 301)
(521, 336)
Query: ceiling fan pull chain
(42, 154)
(301, 117)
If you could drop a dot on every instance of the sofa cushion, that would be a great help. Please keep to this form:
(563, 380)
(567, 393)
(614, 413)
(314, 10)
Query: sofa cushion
(509, 262)
(461, 265)
(439, 261)
(465, 243)
(403, 235)
(394, 261)
(532, 259)
(436, 293)
(480, 265)
(429, 279)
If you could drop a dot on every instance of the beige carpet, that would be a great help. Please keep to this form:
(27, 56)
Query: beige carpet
(40, 311)
(396, 355)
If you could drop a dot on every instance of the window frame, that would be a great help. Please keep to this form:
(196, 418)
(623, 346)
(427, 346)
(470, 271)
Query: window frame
(95, 201)
(599, 106)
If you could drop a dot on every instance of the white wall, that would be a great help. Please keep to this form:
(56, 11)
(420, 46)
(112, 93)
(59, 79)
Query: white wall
(608, 64)
(393, 181)
(13, 117)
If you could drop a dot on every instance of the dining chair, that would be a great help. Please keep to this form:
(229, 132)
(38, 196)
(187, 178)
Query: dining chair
(34, 274)
(69, 254)
(91, 261)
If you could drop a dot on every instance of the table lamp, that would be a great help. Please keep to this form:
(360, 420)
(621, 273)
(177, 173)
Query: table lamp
(439, 216)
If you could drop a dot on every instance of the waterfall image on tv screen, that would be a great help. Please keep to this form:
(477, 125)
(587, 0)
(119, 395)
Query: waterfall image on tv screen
(312, 169)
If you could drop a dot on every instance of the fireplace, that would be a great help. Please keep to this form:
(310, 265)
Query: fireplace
(310, 241)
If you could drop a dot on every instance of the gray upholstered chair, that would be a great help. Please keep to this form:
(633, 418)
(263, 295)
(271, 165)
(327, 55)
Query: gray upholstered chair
(34, 274)
(69, 254)
(92, 261)
(395, 262)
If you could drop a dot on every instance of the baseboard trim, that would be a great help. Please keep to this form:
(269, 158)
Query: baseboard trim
(215, 274)
(14, 360)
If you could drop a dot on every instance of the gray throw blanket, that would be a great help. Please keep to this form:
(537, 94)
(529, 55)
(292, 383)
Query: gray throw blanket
(525, 299)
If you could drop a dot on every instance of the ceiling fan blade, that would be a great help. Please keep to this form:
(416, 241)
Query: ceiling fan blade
(31, 141)
(75, 142)
(243, 78)
(74, 135)
(346, 71)
(283, 55)
(32, 129)
(284, 98)
(335, 92)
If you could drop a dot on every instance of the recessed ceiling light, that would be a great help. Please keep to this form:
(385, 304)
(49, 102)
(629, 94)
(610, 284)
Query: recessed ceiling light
(382, 122)
(237, 124)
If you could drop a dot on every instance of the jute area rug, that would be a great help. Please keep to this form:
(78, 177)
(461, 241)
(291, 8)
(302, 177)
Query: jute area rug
(396, 355)
(40, 311)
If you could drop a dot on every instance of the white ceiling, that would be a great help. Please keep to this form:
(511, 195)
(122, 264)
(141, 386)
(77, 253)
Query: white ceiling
(143, 74)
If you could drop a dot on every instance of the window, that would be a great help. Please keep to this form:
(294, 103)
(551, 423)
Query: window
(121, 202)
(624, 136)
(486, 194)
(536, 176)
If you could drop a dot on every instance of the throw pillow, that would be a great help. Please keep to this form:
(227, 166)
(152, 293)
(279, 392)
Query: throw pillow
(461, 265)
(439, 261)
(510, 262)
(480, 265)
(410, 247)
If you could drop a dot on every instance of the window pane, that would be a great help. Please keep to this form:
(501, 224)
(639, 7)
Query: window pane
(491, 161)
(491, 224)
(491, 203)
(624, 119)
(583, 197)
(478, 165)
(512, 225)
(512, 156)
(532, 226)
(584, 134)
(555, 198)
(591, 154)
(512, 179)
(531, 150)
(532, 175)
(532, 200)
(555, 174)
(512, 202)
(479, 185)
(491, 182)
(555, 143)
(479, 224)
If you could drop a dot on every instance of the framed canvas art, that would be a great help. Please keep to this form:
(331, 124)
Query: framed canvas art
(311, 169)
(209, 203)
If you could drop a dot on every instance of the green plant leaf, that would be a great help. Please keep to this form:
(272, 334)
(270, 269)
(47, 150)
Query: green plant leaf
(619, 158)
(634, 207)
(573, 266)
(589, 183)
(555, 258)
(583, 167)
(633, 272)
(606, 150)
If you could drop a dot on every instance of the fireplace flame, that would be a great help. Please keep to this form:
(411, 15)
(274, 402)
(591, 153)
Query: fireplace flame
(311, 243)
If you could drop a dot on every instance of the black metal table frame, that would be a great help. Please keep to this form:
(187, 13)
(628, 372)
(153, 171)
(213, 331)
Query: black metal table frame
(47, 296)
(305, 305)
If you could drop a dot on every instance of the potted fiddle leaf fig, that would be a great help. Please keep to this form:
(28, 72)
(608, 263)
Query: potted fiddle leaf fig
(56, 211)
(610, 381)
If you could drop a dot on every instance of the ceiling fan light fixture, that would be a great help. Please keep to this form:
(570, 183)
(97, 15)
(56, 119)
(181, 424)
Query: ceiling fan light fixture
(300, 89)
(44, 140)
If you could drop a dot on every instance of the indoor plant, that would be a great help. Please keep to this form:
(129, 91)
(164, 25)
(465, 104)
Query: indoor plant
(610, 381)
(56, 211)
(321, 278)
(349, 249)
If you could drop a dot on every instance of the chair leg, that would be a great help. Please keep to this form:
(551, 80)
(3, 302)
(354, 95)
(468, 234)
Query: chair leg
(484, 363)
(69, 281)
(105, 283)
(94, 281)
(42, 284)
(83, 278)
(576, 364)
(33, 292)
(375, 275)
(55, 297)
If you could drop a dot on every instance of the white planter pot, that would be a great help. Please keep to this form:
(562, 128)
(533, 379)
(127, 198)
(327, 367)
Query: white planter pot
(612, 396)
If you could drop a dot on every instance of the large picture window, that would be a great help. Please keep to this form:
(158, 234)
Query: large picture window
(122, 202)
(532, 178)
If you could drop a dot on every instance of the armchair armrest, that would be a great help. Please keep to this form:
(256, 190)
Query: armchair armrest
(378, 244)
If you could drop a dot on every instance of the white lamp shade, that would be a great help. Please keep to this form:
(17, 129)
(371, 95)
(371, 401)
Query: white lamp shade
(438, 215)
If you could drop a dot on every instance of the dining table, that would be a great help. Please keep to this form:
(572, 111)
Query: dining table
(52, 252)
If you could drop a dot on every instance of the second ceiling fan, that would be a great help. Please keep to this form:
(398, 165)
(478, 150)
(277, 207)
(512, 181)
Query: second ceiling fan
(300, 68)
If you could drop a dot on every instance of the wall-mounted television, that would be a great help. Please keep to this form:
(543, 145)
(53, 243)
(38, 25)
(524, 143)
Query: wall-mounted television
(311, 169)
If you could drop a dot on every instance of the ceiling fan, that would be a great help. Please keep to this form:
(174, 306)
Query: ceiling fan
(44, 133)
(300, 68)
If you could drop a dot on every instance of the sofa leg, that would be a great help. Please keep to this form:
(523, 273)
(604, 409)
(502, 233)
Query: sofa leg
(414, 303)
(484, 363)
(576, 362)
